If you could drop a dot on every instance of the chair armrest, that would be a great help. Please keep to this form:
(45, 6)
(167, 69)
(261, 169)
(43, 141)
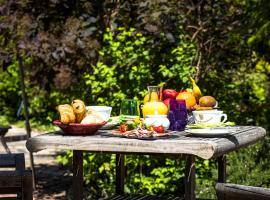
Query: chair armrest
(227, 191)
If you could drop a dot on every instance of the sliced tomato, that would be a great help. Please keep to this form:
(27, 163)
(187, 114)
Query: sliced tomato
(123, 128)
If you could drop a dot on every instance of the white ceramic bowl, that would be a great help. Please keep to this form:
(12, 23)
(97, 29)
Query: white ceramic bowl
(104, 111)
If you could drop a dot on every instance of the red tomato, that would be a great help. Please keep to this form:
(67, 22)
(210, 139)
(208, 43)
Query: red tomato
(159, 129)
(123, 128)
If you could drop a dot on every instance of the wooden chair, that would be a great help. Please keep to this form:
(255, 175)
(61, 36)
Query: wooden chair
(18, 181)
(227, 191)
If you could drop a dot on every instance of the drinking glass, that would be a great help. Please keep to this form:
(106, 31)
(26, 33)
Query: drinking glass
(178, 115)
(129, 108)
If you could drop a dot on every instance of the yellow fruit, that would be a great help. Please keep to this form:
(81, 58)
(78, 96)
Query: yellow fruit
(203, 108)
(189, 90)
(154, 97)
(196, 90)
(207, 101)
(154, 108)
(188, 97)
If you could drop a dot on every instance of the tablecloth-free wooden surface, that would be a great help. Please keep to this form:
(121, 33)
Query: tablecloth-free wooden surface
(177, 143)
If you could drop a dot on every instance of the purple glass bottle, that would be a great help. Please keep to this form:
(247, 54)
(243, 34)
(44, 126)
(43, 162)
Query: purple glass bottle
(177, 115)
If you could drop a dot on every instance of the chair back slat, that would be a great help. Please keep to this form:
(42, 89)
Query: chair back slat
(13, 161)
(10, 179)
(7, 160)
(17, 181)
(19, 161)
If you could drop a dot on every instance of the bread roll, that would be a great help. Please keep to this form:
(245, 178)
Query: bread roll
(66, 112)
(79, 109)
(91, 119)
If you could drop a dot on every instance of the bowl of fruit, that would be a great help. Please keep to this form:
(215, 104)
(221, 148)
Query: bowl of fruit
(79, 129)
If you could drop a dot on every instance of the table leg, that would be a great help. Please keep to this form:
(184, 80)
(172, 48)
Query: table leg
(190, 178)
(77, 175)
(120, 173)
(221, 169)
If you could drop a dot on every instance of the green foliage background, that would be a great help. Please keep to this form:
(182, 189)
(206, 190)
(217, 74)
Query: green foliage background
(106, 51)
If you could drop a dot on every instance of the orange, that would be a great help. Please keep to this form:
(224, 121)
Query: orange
(188, 97)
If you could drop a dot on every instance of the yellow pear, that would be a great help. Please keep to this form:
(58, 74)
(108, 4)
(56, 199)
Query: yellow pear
(195, 90)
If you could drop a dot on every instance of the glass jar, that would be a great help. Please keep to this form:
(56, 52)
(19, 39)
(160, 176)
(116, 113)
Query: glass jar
(154, 105)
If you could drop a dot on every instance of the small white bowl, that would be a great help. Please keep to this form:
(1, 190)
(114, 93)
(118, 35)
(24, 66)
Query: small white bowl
(104, 111)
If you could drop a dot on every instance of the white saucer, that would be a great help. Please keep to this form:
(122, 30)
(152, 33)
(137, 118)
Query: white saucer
(211, 131)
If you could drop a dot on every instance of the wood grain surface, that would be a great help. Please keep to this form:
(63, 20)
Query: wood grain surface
(176, 143)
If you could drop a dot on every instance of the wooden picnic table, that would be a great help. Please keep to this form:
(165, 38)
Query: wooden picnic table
(179, 143)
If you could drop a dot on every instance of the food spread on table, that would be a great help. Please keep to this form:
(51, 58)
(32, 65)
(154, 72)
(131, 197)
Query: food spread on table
(162, 110)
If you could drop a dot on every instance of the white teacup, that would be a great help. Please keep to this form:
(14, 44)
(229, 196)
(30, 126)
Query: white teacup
(209, 116)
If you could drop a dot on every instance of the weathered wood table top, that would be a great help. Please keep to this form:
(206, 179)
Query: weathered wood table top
(177, 143)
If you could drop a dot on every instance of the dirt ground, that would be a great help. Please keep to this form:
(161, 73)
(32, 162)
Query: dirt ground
(52, 182)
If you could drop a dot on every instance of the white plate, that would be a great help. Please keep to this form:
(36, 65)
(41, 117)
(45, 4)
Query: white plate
(109, 125)
(211, 131)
